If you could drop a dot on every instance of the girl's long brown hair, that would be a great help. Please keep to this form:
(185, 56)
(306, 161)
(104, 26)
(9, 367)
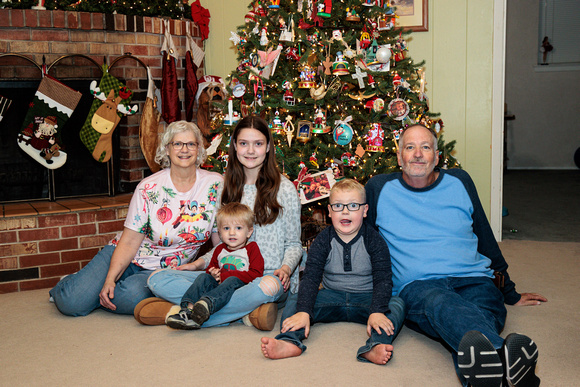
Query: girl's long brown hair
(266, 207)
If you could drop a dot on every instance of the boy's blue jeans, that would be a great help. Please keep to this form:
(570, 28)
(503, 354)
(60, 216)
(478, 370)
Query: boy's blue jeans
(215, 294)
(335, 306)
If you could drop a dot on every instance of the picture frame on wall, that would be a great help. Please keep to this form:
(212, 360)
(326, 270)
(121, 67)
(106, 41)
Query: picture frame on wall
(413, 14)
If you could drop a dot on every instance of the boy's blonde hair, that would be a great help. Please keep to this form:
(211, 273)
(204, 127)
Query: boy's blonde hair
(349, 185)
(237, 212)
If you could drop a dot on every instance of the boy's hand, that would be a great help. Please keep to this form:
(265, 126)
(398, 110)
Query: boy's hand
(297, 321)
(378, 321)
(216, 274)
(284, 274)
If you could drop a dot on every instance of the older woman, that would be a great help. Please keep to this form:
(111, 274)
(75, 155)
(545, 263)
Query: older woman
(171, 215)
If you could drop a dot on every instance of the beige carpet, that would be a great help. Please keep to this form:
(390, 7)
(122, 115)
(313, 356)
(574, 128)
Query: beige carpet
(40, 347)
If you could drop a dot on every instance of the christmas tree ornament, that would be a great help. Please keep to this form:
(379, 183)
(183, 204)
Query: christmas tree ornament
(50, 109)
(398, 109)
(276, 124)
(396, 135)
(307, 75)
(320, 122)
(319, 92)
(348, 159)
(343, 132)
(238, 88)
(368, 3)
(149, 125)
(400, 48)
(374, 138)
(359, 75)
(378, 105)
(110, 104)
(337, 168)
(386, 22)
(304, 131)
(352, 16)
(214, 144)
(264, 37)
(383, 53)
(274, 4)
(365, 39)
(4, 105)
(292, 53)
(371, 52)
(289, 129)
(324, 8)
(171, 110)
(288, 96)
(327, 66)
(313, 160)
(359, 151)
(340, 66)
(286, 30)
(268, 60)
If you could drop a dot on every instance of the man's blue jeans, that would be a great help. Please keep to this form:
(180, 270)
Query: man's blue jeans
(448, 308)
(78, 294)
(215, 294)
(335, 306)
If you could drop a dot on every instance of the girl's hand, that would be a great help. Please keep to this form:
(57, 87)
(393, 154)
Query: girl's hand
(283, 274)
(191, 266)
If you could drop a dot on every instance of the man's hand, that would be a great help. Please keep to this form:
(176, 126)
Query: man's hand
(297, 321)
(531, 299)
(379, 320)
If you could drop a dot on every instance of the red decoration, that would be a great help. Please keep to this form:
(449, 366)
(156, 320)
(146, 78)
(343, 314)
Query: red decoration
(164, 214)
(200, 16)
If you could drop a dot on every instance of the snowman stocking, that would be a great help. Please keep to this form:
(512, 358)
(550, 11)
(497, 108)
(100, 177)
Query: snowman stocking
(40, 136)
(106, 111)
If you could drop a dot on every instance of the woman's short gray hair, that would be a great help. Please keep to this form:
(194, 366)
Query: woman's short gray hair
(161, 156)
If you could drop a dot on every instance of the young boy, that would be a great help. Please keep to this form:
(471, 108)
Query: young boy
(352, 262)
(234, 263)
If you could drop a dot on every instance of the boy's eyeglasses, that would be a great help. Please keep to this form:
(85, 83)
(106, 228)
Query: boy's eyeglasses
(178, 145)
(337, 207)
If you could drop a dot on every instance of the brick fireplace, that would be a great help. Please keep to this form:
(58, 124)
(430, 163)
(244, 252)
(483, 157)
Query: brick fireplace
(40, 240)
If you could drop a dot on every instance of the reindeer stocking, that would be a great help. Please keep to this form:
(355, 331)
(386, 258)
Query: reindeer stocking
(50, 109)
(106, 111)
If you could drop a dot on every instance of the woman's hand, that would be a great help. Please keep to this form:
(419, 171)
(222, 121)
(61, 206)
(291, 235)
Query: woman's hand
(283, 274)
(297, 321)
(377, 321)
(191, 266)
(107, 293)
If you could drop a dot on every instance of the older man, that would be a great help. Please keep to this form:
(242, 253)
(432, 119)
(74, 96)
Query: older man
(444, 256)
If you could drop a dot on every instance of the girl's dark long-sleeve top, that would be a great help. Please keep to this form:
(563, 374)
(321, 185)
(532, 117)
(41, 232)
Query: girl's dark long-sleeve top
(359, 266)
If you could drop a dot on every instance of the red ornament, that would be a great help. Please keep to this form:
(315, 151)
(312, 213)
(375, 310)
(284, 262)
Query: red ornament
(164, 214)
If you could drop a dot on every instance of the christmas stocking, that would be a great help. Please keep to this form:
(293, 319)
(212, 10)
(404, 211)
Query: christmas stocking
(149, 126)
(169, 91)
(106, 111)
(193, 58)
(40, 135)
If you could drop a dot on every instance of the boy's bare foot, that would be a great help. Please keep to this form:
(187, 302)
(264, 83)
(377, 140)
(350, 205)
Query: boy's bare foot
(279, 349)
(379, 354)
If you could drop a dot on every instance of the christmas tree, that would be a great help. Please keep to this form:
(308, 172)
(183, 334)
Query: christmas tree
(335, 82)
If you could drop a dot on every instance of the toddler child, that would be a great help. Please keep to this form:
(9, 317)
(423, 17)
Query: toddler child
(234, 263)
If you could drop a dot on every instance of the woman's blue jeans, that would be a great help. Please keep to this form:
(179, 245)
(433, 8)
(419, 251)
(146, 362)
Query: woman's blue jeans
(171, 285)
(336, 306)
(216, 294)
(78, 294)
